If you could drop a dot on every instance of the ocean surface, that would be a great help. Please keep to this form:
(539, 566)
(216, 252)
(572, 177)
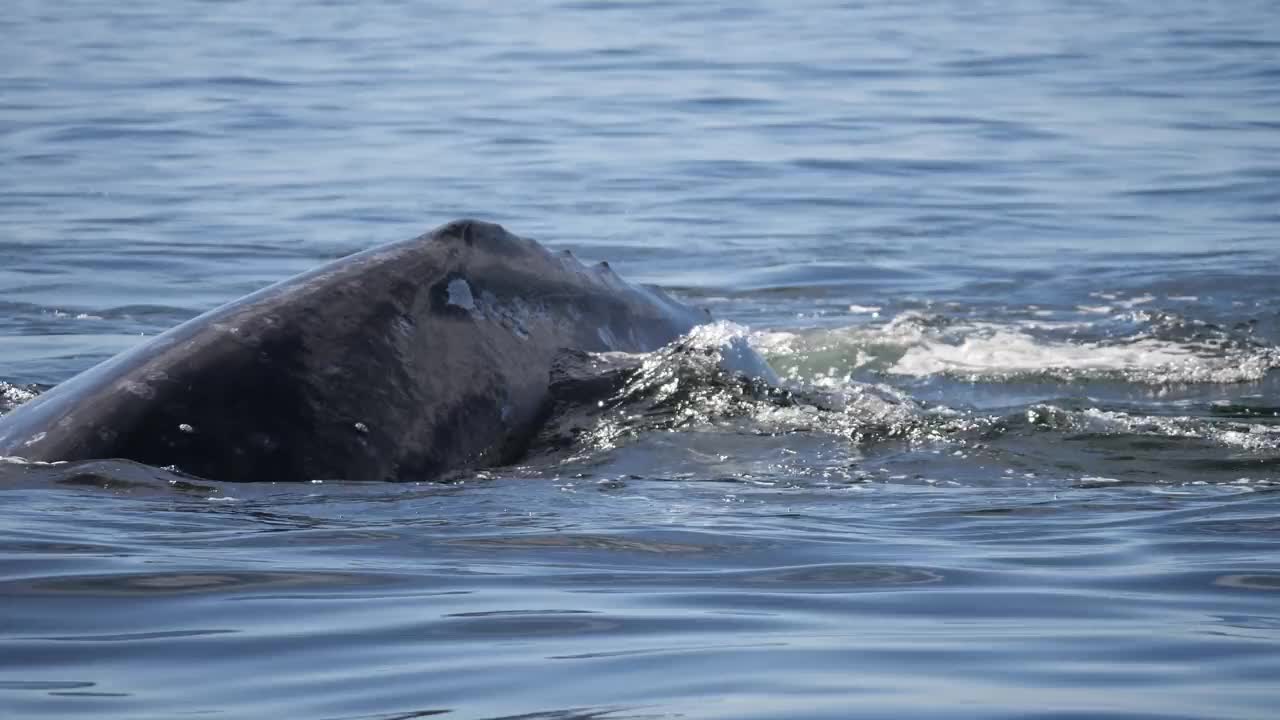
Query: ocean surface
(1022, 257)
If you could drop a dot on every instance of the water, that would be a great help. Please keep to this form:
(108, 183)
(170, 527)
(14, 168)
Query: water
(1019, 260)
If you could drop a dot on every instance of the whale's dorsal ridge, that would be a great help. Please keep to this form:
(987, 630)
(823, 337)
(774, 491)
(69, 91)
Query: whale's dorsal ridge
(461, 230)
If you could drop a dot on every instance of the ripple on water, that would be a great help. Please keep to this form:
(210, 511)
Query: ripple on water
(183, 582)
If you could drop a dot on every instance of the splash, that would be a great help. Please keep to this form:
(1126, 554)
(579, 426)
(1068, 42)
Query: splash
(996, 354)
(1252, 437)
(1163, 349)
(714, 380)
(11, 396)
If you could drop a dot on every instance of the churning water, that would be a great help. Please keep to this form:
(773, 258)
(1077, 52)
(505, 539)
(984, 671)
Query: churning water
(1017, 262)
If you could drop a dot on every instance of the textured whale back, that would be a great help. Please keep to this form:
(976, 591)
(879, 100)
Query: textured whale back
(406, 360)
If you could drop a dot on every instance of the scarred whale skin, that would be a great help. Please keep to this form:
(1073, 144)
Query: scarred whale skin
(405, 361)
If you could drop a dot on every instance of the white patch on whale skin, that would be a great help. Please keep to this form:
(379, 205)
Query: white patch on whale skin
(460, 294)
(142, 390)
(516, 314)
(226, 328)
(34, 439)
(607, 337)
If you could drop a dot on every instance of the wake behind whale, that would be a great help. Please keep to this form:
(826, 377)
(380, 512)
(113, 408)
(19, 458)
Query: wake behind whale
(406, 361)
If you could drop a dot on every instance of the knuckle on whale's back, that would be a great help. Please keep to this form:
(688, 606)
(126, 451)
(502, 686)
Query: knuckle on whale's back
(481, 235)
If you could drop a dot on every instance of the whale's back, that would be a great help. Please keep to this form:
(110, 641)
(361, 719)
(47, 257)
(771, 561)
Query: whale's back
(407, 360)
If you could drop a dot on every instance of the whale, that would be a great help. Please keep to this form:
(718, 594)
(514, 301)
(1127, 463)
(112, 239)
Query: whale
(407, 361)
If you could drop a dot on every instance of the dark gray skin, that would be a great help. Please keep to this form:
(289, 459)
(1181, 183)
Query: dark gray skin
(406, 361)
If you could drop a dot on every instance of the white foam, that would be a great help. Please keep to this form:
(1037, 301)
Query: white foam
(1245, 436)
(733, 343)
(1014, 352)
(1135, 301)
(917, 345)
(1003, 354)
(14, 395)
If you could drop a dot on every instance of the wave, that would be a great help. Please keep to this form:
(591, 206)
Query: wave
(1163, 350)
(11, 396)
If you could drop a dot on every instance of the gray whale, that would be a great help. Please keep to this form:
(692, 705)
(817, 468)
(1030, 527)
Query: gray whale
(406, 361)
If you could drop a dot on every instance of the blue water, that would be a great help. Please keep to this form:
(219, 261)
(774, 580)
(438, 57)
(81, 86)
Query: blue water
(1026, 252)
